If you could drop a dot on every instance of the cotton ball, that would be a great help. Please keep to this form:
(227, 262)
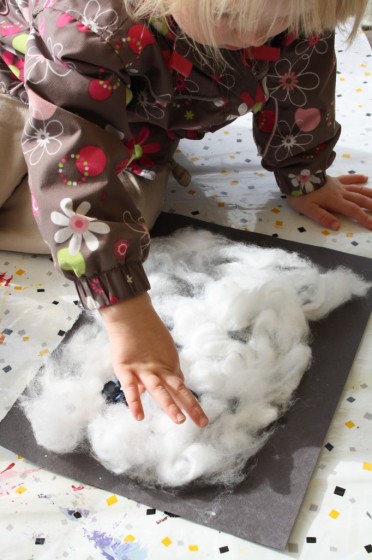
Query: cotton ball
(59, 414)
(194, 461)
(332, 290)
(117, 440)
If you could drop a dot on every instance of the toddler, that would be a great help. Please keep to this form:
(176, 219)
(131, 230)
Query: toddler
(95, 97)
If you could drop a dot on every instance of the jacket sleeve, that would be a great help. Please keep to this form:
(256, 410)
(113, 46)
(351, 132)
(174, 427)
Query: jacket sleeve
(295, 130)
(76, 141)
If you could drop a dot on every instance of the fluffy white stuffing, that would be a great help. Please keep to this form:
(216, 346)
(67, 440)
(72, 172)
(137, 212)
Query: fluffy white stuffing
(239, 315)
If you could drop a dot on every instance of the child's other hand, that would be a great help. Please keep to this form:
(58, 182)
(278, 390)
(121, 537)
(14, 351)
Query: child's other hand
(144, 357)
(344, 195)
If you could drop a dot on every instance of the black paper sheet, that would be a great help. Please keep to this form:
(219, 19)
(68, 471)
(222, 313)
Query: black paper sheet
(264, 507)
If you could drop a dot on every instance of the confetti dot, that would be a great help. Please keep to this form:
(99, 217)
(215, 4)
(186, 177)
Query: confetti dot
(111, 500)
(346, 156)
(334, 514)
(20, 272)
(151, 511)
(224, 549)
(367, 466)
(350, 424)
(369, 548)
(275, 210)
(326, 232)
(311, 540)
(43, 352)
(279, 223)
(39, 540)
(339, 491)
(129, 538)
(193, 548)
(166, 541)
(21, 490)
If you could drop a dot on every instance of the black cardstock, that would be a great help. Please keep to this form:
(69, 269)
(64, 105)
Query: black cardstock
(264, 507)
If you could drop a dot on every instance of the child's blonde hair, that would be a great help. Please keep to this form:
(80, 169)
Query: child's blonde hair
(304, 16)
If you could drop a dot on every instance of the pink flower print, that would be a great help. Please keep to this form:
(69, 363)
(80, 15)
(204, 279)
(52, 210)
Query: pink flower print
(120, 248)
(289, 143)
(305, 181)
(138, 150)
(35, 206)
(95, 18)
(77, 226)
(96, 286)
(315, 42)
(41, 138)
(291, 81)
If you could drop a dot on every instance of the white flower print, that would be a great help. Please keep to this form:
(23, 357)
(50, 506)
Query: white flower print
(291, 81)
(95, 18)
(288, 142)
(317, 43)
(41, 66)
(305, 181)
(41, 138)
(184, 86)
(138, 226)
(146, 104)
(77, 226)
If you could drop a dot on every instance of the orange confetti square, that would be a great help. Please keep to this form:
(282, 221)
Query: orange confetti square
(221, 205)
(334, 514)
(350, 424)
(129, 538)
(111, 500)
(191, 191)
(166, 541)
(326, 232)
(21, 490)
(367, 466)
(279, 223)
(275, 210)
(18, 288)
(193, 548)
(2, 338)
(20, 272)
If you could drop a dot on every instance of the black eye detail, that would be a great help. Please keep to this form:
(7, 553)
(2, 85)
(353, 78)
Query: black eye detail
(113, 392)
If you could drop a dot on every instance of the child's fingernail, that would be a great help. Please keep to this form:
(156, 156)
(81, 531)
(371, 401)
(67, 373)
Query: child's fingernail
(203, 421)
(139, 417)
(180, 418)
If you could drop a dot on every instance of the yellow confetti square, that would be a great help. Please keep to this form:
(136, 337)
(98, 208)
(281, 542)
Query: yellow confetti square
(233, 183)
(349, 234)
(25, 338)
(326, 232)
(18, 288)
(44, 352)
(21, 490)
(166, 541)
(20, 457)
(334, 514)
(195, 158)
(350, 424)
(129, 538)
(346, 156)
(20, 272)
(193, 548)
(359, 89)
(232, 157)
(275, 210)
(111, 500)
(367, 466)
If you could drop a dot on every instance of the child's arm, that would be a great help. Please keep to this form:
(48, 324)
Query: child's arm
(344, 195)
(296, 133)
(144, 357)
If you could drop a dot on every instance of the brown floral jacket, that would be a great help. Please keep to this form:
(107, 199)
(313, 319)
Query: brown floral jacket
(107, 94)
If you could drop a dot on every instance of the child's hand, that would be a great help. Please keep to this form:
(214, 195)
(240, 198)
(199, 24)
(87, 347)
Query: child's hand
(144, 357)
(344, 195)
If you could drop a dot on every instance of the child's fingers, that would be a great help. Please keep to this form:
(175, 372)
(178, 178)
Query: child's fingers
(187, 401)
(130, 386)
(158, 390)
(350, 179)
(321, 216)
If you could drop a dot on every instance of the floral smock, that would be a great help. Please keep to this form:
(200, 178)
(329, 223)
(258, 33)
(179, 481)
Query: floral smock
(108, 94)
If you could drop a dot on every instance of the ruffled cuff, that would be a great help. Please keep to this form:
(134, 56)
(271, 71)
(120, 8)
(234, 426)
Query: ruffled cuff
(300, 182)
(111, 286)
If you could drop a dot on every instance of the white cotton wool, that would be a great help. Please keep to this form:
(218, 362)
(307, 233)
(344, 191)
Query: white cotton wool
(239, 316)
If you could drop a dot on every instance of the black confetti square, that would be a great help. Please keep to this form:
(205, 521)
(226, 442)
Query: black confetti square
(369, 548)
(151, 511)
(55, 302)
(329, 446)
(7, 332)
(61, 333)
(7, 369)
(77, 515)
(224, 549)
(350, 399)
(301, 229)
(39, 540)
(339, 491)
(311, 540)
